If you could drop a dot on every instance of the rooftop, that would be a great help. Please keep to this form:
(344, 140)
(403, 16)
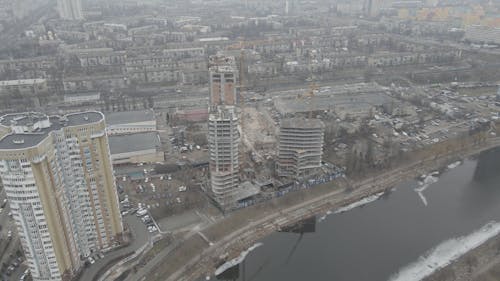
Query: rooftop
(19, 141)
(36, 126)
(302, 123)
(134, 142)
(353, 101)
(126, 117)
(20, 82)
(224, 113)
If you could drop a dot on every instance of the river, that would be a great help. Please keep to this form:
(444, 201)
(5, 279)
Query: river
(397, 237)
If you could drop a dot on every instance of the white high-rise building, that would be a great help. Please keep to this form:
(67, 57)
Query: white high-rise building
(58, 178)
(70, 9)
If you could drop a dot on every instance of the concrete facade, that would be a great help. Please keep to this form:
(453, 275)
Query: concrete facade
(300, 146)
(223, 75)
(223, 144)
(59, 181)
(136, 148)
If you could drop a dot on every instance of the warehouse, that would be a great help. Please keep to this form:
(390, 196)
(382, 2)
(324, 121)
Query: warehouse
(136, 148)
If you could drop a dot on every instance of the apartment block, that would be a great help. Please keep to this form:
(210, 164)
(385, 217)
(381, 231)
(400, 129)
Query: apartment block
(300, 146)
(58, 178)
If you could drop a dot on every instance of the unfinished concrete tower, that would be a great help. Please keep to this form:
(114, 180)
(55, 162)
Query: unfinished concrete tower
(300, 146)
(223, 142)
(223, 75)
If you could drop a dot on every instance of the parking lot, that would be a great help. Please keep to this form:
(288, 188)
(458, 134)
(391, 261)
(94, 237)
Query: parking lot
(154, 197)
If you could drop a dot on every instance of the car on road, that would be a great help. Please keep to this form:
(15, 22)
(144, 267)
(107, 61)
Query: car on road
(91, 260)
(141, 212)
(10, 270)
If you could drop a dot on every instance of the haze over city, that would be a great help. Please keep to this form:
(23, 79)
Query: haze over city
(259, 140)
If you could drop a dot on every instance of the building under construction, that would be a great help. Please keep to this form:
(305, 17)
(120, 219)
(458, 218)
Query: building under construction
(300, 146)
(223, 75)
(223, 142)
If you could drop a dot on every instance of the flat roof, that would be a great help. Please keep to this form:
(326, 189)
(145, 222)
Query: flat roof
(302, 123)
(19, 141)
(134, 142)
(126, 117)
(354, 101)
(30, 139)
(21, 82)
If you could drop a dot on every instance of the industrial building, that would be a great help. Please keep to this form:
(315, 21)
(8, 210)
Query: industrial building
(300, 146)
(223, 143)
(130, 122)
(58, 178)
(136, 148)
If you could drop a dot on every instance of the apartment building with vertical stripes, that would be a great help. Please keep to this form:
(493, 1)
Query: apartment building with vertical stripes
(58, 178)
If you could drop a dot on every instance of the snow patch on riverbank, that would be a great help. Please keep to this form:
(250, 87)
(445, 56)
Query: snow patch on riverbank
(445, 253)
(236, 260)
(424, 184)
(454, 165)
(364, 201)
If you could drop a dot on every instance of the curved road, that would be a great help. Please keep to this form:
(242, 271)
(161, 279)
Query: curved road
(140, 237)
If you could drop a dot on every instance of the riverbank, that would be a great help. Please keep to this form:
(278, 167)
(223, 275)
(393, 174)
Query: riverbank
(241, 229)
(479, 264)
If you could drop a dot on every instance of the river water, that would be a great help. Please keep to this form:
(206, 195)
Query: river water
(400, 236)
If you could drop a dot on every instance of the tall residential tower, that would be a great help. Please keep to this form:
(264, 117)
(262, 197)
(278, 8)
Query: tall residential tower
(57, 174)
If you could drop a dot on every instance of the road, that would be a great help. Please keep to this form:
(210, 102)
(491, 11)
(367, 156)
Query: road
(140, 238)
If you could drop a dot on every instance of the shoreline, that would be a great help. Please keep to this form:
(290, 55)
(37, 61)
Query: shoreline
(230, 243)
(480, 263)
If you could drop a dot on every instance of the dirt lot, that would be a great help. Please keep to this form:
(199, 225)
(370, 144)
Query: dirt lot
(163, 196)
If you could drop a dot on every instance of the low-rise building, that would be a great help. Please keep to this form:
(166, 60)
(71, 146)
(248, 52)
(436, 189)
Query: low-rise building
(136, 148)
(94, 82)
(130, 122)
(30, 87)
(482, 34)
(80, 98)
